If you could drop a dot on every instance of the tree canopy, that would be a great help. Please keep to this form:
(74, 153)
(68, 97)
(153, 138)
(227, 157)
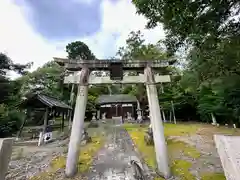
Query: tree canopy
(191, 22)
(209, 31)
(79, 49)
(10, 117)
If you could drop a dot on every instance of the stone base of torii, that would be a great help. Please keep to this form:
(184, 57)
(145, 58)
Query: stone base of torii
(83, 80)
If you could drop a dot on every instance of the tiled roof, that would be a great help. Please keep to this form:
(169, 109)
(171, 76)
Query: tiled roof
(45, 100)
(116, 98)
(52, 102)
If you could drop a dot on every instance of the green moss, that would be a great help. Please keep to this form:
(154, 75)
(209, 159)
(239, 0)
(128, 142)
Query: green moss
(85, 160)
(147, 152)
(169, 129)
(181, 168)
(58, 163)
(87, 153)
(175, 146)
(210, 176)
(130, 127)
(180, 129)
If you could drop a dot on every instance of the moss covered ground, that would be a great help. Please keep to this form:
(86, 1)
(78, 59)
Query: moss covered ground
(86, 155)
(180, 167)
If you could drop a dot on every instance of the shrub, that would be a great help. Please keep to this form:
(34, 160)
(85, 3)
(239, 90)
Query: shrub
(10, 121)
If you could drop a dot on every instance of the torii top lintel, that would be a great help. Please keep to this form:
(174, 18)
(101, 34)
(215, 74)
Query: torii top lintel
(76, 65)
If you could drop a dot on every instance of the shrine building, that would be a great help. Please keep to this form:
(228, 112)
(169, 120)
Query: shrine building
(117, 105)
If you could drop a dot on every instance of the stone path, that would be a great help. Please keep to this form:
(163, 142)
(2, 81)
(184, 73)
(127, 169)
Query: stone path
(112, 161)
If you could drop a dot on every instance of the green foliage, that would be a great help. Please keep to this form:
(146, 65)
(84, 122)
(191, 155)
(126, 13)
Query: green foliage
(136, 48)
(79, 49)
(6, 64)
(190, 21)
(47, 79)
(10, 121)
(10, 118)
(9, 89)
(210, 32)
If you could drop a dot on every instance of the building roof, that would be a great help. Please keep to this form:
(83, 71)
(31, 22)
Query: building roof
(116, 98)
(38, 100)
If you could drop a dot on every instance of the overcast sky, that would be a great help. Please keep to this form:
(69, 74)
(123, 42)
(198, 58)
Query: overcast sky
(37, 30)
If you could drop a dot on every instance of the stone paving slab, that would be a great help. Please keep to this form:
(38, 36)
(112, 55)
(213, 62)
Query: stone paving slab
(112, 161)
(229, 151)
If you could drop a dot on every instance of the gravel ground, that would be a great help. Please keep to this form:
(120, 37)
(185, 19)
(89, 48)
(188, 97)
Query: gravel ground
(27, 161)
(209, 161)
(112, 161)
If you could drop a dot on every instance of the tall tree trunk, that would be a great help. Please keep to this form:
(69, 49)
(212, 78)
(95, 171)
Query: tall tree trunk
(214, 122)
(173, 111)
(23, 124)
(163, 114)
(170, 116)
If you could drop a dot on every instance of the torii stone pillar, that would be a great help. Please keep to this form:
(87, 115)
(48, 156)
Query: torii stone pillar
(78, 124)
(157, 125)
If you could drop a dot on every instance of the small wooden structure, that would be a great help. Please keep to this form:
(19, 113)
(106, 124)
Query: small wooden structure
(51, 106)
(117, 105)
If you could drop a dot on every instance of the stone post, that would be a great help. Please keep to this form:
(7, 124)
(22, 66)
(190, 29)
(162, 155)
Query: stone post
(45, 124)
(5, 156)
(77, 125)
(104, 116)
(157, 125)
(94, 116)
(98, 115)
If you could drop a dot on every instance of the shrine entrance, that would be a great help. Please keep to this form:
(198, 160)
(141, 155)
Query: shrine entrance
(81, 75)
(117, 105)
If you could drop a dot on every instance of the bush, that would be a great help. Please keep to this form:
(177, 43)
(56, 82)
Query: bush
(10, 121)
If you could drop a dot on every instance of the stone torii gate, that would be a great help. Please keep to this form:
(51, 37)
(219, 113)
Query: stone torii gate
(116, 68)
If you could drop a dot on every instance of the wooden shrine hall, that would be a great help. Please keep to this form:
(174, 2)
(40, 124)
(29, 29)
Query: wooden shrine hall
(42, 108)
(117, 105)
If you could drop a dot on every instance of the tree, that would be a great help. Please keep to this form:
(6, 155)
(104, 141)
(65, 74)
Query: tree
(46, 79)
(191, 22)
(7, 87)
(10, 117)
(211, 32)
(79, 49)
(136, 48)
